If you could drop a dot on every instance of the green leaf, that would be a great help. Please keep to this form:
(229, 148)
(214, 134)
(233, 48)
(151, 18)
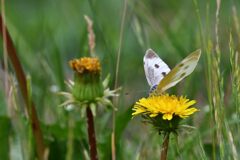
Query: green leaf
(4, 138)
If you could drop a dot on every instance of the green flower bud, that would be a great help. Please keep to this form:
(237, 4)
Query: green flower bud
(87, 79)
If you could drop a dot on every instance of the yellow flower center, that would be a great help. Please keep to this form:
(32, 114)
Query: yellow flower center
(85, 64)
(165, 105)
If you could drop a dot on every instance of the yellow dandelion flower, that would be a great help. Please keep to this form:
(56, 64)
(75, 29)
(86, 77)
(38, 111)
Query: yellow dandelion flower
(165, 105)
(86, 65)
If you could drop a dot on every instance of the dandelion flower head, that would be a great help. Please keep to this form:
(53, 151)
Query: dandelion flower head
(166, 105)
(86, 65)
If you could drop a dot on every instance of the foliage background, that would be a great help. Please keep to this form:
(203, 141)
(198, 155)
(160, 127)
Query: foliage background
(47, 34)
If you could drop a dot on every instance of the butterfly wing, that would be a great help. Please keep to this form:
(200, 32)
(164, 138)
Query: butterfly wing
(154, 67)
(179, 72)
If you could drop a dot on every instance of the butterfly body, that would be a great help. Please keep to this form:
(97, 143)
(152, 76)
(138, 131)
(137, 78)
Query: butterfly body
(153, 89)
(159, 75)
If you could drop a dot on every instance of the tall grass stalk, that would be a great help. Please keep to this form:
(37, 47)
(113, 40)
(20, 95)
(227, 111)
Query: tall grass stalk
(19, 125)
(30, 107)
(235, 80)
(234, 61)
(115, 102)
(5, 57)
(222, 135)
(235, 70)
(207, 48)
(70, 138)
(223, 132)
(199, 23)
(91, 36)
(236, 21)
(217, 87)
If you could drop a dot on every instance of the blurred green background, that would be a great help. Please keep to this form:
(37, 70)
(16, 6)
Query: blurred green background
(47, 34)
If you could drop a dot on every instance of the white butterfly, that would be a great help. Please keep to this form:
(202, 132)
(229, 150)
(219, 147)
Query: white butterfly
(159, 75)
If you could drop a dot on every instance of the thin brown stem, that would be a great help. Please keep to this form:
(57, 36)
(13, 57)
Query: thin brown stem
(32, 114)
(165, 147)
(91, 135)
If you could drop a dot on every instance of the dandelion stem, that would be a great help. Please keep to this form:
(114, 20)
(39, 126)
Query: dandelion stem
(91, 135)
(164, 149)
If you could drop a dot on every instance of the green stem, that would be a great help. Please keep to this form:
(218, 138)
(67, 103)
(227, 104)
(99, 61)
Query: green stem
(70, 138)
